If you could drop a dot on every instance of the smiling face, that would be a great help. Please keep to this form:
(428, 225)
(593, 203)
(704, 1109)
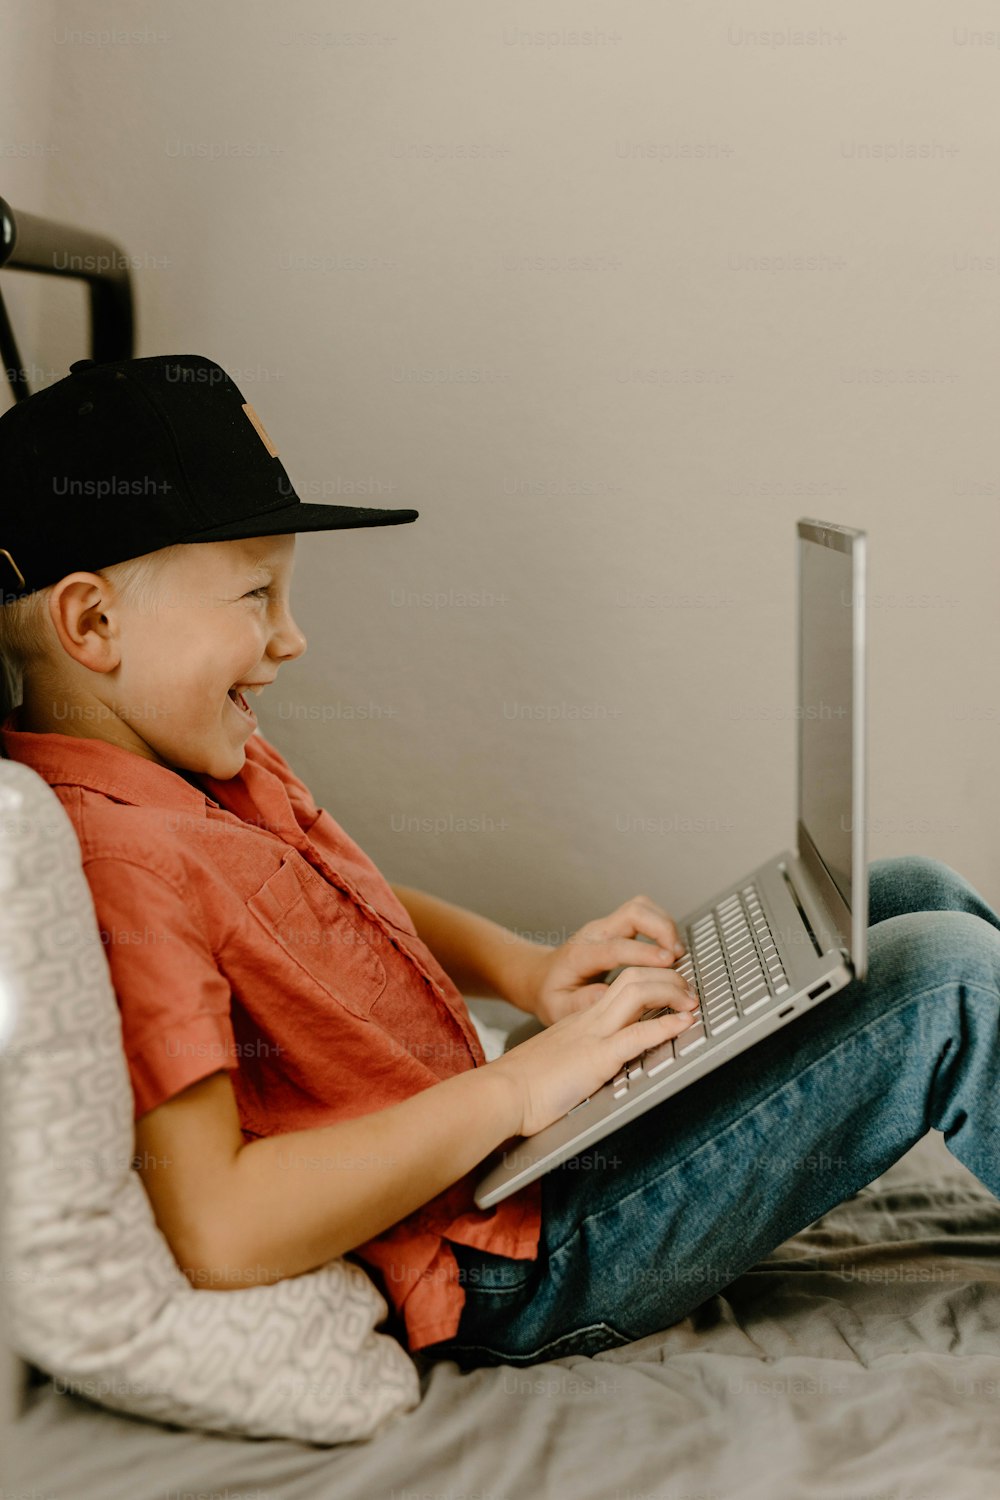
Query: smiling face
(160, 680)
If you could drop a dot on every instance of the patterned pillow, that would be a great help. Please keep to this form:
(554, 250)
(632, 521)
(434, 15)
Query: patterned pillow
(96, 1298)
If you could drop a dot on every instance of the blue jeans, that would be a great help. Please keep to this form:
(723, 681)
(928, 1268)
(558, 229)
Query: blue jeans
(640, 1229)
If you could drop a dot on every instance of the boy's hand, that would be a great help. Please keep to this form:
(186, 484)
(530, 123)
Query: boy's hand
(560, 980)
(558, 1067)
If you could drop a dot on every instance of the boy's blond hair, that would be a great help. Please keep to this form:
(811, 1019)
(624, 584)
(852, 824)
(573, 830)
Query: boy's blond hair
(28, 640)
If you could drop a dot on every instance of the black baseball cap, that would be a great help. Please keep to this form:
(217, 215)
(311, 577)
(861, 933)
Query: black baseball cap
(122, 458)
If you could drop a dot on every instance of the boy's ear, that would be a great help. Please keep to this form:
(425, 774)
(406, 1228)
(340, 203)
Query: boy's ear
(84, 617)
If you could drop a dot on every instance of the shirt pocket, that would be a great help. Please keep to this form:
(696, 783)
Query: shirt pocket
(319, 928)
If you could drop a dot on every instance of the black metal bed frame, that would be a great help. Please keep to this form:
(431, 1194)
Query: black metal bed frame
(31, 243)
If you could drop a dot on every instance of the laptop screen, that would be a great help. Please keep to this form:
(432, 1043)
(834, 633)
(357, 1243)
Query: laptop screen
(826, 703)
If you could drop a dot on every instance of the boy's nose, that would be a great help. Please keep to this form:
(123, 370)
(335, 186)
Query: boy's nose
(288, 642)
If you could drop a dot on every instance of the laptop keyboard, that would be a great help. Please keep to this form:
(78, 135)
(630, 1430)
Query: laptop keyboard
(733, 966)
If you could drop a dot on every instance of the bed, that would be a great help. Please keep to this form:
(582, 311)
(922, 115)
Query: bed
(860, 1360)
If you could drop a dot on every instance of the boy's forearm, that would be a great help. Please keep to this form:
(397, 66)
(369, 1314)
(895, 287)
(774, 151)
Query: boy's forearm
(296, 1201)
(479, 956)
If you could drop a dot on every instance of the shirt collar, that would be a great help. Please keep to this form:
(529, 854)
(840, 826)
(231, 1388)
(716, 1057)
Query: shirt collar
(256, 795)
(72, 760)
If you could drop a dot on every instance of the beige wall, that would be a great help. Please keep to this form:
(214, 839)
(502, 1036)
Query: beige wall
(611, 315)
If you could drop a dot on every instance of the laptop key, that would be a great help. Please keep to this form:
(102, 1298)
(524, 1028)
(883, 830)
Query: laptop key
(658, 1058)
(724, 1000)
(724, 1023)
(690, 1039)
(720, 1002)
(752, 980)
(751, 992)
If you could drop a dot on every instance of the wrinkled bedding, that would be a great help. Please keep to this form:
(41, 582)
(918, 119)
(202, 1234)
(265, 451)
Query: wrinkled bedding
(861, 1361)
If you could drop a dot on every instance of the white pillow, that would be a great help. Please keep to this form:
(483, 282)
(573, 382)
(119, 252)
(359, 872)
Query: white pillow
(95, 1295)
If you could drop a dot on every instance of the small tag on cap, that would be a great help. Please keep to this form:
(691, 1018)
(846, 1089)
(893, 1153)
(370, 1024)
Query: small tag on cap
(13, 565)
(258, 427)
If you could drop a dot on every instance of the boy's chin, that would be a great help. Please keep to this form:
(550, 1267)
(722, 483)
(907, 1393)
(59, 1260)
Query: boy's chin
(221, 765)
(228, 765)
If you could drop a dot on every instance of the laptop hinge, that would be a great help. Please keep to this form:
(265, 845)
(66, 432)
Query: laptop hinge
(802, 912)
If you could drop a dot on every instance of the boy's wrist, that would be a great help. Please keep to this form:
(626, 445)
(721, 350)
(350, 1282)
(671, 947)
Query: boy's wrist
(509, 1098)
(523, 965)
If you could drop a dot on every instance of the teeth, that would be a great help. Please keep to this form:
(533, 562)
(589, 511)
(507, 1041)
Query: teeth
(257, 689)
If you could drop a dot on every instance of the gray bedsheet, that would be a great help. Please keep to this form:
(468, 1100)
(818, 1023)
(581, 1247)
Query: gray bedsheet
(861, 1361)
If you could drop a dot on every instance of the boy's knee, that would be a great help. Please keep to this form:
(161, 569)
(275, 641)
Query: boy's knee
(913, 883)
(924, 950)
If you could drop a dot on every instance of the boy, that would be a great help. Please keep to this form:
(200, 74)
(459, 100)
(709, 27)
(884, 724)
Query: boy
(308, 1083)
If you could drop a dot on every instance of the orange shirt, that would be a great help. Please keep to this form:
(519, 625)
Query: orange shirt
(245, 930)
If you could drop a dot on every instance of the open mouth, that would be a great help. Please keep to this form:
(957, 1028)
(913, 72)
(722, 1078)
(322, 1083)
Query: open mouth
(241, 705)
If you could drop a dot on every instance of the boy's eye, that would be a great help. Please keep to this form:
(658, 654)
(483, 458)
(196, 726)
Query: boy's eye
(259, 593)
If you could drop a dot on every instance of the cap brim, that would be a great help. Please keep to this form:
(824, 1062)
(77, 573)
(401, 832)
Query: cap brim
(301, 516)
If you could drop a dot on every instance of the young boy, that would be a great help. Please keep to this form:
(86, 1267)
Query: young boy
(308, 1083)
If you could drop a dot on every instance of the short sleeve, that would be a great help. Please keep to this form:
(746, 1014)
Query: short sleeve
(173, 998)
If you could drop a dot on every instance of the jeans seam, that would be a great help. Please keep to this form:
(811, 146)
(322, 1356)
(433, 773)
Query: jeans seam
(481, 1289)
(539, 1352)
(859, 1031)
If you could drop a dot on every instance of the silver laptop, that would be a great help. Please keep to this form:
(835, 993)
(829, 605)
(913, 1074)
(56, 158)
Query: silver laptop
(792, 932)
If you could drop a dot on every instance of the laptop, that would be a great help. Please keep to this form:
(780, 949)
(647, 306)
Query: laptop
(794, 931)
